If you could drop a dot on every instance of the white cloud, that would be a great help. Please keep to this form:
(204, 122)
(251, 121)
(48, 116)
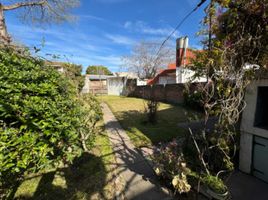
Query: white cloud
(113, 62)
(140, 26)
(119, 39)
(111, 1)
(80, 49)
(91, 17)
(128, 25)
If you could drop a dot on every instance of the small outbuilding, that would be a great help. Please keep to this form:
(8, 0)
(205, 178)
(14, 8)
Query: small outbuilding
(121, 84)
(254, 131)
(95, 84)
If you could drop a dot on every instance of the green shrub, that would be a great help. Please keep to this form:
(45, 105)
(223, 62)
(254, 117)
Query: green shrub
(41, 118)
(214, 183)
(193, 99)
(74, 73)
(92, 114)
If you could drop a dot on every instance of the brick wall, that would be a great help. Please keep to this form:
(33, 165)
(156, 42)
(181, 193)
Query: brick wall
(170, 93)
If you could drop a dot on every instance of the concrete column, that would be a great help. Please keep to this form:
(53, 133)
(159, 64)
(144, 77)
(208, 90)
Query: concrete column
(178, 75)
(245, 154)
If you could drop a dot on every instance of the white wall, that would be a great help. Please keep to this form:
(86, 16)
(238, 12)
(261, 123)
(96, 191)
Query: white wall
(184, 75)
(166, 80)
(141, 82)
(115, 86)
(248, 130)
(85, 89)
(248, 117)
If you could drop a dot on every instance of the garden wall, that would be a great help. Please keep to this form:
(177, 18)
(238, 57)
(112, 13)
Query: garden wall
(170, 93)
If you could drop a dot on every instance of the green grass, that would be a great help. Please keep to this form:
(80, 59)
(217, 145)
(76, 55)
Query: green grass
(130, 114)
(88, 178)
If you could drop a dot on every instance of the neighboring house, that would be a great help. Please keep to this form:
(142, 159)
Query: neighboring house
(95, 84)
(166, 76)
(141, 82)
(59, 66)
(122, 83)
(253, 157)
(178, 72)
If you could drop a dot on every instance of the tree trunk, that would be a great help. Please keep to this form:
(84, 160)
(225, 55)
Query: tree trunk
(4, 37)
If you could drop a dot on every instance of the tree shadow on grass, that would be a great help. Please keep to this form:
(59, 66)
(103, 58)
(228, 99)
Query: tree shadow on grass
(164, 130)
(81, 180)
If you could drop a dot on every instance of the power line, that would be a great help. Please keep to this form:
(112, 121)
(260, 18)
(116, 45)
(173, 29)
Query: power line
(178, 26)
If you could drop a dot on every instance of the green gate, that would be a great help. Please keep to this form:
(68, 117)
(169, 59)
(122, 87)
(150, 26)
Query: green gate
(260, 158)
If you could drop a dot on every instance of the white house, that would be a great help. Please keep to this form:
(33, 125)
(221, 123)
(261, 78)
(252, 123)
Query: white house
(178, 72)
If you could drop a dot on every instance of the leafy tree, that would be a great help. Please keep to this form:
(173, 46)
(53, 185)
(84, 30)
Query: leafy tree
(35, 11)
(99, 70)
(246, 22)
(241, 25)
(42, 121)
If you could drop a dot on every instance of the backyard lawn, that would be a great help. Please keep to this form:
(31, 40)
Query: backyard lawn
(90, 177)
(130, 113)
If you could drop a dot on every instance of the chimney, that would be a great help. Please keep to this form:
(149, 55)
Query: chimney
(181, 49)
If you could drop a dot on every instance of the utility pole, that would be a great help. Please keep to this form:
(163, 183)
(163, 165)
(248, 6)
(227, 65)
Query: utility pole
(210, 27)
(210, 67)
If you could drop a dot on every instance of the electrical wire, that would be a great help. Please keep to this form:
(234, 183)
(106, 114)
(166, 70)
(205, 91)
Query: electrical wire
(178, 26)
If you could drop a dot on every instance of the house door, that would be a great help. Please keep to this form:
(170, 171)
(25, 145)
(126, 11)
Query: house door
(260, 158)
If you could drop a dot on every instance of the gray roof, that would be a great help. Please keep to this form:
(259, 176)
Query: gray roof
(98, 77)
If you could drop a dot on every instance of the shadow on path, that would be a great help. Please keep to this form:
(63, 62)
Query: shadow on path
(140, 181)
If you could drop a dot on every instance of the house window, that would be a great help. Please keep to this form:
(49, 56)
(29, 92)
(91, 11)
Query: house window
(261, 114)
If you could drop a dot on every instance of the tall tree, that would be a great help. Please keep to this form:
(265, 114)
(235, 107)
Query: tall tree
(245, 21)
(239, 25)
(35, 11)
(98, 69)
(146, 59)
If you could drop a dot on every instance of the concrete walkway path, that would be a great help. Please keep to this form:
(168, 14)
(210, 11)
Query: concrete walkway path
(140, 182)
(246, 187)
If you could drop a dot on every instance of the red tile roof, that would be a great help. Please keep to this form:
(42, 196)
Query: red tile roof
(162, 73)
(190, 54)
(172, 66)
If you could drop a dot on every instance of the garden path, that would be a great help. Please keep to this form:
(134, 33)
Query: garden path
(139, 179)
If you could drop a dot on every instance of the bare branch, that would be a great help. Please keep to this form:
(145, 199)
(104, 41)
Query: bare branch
(24, 4)
(199, 153)
(144, 60)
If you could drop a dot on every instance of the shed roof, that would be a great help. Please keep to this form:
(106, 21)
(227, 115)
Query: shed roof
(97, 77)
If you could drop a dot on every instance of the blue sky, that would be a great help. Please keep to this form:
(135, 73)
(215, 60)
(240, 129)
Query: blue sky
(106, 30)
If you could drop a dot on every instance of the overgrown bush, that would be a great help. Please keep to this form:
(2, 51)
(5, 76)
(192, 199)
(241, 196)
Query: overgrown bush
(151, 110)
(171, 166)
(74, 72)
(92, 114)
(151, 107)
(41, 118)
(193, 99)
(182, 172)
